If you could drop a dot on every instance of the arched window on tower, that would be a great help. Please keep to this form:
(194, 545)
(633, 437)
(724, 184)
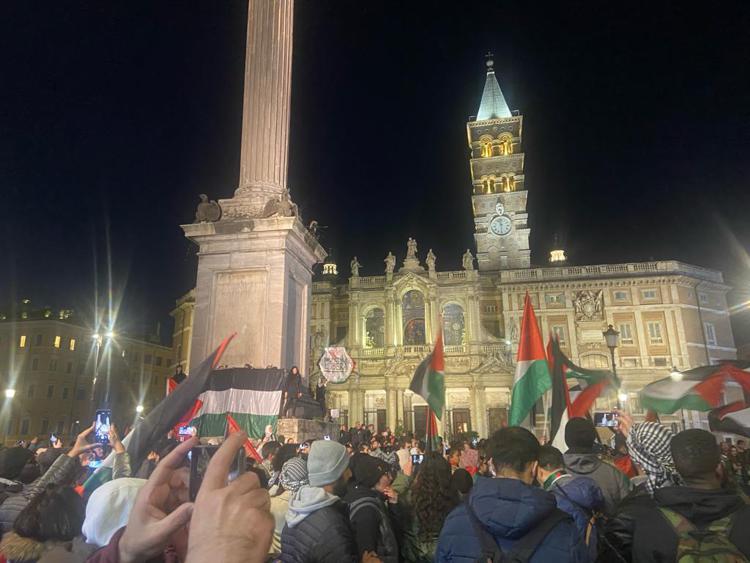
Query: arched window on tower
(375, 328)
(508, 183)
(453, 325)
(488, 185)
(506, 145)
(412, 310)
(486, 149)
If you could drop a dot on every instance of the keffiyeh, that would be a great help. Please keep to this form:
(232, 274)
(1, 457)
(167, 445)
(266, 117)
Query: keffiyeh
(648, 444)
(293, 474)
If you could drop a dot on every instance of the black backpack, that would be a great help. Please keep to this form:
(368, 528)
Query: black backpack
(523, 549)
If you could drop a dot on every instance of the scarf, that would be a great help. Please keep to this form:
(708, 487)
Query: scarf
(648, 444)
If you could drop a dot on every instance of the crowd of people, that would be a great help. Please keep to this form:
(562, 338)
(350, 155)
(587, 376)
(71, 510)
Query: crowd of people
(369, 497)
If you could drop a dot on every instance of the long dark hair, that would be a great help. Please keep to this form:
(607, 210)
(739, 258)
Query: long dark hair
(55, 514)
(432, 495)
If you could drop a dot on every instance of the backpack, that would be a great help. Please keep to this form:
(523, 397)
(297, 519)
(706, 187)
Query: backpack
(523, 549)
(387, 545)
(711, 544)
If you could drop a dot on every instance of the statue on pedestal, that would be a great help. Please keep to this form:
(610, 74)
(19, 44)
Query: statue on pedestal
(355, 266)
(468, 260)
(411, 248)
(207, 211)
(390, 263)
(431, 259)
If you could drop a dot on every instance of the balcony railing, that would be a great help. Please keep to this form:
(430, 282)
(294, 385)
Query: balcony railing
(612, 270)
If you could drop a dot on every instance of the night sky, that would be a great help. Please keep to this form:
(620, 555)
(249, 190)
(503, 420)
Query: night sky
(115, 116)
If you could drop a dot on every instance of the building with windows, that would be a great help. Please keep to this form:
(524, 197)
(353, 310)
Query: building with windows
(48, 357)
(669, 314)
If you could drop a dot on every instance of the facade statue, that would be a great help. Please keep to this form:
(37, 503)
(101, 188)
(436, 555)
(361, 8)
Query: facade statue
(281, 207)
(468, 260)
(207, 211)
(355, 266)
(390, 263)
(411, 248)
(431, 259)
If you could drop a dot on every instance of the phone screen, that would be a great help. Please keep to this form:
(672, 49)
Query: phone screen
(199, 457)
(605, 419)
(416, 459)
(52, 439)
(101, 425)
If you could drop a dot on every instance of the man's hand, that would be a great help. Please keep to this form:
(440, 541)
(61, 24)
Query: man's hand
(625, 422)
(150, 526)
(370, 557)
(81, 444)
(391, 495)
(114, 440)
(231, 522)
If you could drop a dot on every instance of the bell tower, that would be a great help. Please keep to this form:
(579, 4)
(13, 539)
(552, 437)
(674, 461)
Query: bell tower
(498, 191)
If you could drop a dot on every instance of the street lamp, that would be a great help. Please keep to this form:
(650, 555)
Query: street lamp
(139, 409)
(675, 374)
(612, 338)
(10, 393)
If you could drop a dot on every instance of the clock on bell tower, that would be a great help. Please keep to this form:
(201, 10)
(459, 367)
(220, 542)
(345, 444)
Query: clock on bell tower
(498, 192)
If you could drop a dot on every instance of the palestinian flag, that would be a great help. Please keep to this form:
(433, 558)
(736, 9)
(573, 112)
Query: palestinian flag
(532, 377)
(733, 419)
(429, 378)
(252, 397)
(250, 450)
(698, 389)
(591, 384)
(560, 407)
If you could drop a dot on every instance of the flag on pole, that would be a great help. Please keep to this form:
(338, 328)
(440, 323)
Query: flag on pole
(733, 419)
(560, 407)
(250, 450)
(429, 379)
(532, 377)
(698, 389)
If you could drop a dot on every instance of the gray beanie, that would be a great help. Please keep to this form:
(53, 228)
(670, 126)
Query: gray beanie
(326, 462)
(293, 474)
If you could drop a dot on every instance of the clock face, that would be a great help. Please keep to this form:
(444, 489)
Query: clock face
(501, 225)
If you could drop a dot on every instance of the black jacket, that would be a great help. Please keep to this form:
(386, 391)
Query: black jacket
(616, 540)
(376, 524)
(323, 537)
(61, 472)
(655, 540)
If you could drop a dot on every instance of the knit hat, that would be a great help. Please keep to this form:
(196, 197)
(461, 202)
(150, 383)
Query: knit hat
(12, 461)
(294, 474)
(109, 508)
(368, 470)
(326, 462)
(580, 433)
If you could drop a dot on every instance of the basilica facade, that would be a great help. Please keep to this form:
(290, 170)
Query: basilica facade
(669, 314)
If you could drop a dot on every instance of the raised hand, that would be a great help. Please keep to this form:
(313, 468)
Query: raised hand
(114, 440)
(81, 445)
(151, 525)
(231, 521)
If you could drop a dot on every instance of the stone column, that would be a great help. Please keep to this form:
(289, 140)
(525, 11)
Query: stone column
(392, 406)
(267, 96)
(399, 408)
(479, 406)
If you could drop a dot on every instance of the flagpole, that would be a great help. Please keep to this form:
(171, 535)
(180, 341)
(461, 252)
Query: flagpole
(428, 447)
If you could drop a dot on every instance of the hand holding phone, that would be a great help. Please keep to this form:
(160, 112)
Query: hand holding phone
(102, 422)
(200, 459)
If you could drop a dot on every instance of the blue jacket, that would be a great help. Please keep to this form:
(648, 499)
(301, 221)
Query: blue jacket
(508, 508)
(580, 497)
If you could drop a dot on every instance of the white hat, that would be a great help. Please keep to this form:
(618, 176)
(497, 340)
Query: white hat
(109, 508)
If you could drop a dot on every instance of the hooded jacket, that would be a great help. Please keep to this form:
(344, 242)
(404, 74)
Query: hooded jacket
(508, 509)
(614, 484)
(317, 529)
(654, 538)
